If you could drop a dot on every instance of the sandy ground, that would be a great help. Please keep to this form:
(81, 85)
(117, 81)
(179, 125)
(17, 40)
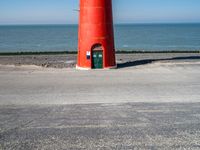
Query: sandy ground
(69, 60)
(148, 103)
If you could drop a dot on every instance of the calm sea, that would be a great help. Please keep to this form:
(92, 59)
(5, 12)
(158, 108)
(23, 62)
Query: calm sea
(144, 37)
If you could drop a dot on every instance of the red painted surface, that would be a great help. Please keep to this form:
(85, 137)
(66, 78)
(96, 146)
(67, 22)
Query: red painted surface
(96, 27)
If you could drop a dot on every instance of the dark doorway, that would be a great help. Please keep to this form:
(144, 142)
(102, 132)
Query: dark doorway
(97, 57)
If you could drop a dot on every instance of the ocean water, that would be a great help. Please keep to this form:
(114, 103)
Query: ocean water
(139, 37)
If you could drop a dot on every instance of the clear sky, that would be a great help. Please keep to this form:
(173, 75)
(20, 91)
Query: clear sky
(125, 11)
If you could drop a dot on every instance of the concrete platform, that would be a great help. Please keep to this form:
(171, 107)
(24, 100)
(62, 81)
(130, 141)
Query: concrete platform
(177, 81)
(152, 106)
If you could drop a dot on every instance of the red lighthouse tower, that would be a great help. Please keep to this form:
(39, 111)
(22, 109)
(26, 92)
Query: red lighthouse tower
(96, 38)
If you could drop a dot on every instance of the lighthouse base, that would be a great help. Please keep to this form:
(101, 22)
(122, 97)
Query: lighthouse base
(82, 68)
(107, 68)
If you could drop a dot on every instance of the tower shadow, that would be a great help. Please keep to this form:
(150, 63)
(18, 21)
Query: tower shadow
(149, 61)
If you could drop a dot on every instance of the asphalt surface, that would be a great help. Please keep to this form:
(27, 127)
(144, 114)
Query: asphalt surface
(101, 126)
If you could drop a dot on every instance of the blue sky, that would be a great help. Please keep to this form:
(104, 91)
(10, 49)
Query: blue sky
(125, 11)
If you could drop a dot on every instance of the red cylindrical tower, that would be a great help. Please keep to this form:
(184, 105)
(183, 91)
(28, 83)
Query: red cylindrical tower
(96, 38)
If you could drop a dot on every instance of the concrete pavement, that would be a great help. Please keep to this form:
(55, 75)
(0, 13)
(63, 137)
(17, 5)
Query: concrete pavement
(156, 82)
(153, 106)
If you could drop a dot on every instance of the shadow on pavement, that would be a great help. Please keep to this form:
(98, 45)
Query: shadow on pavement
(148, 61)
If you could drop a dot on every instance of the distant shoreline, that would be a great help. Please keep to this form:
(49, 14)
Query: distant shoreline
(75, 52)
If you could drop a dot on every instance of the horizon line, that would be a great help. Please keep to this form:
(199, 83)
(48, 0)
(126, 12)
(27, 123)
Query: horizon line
(114, 23)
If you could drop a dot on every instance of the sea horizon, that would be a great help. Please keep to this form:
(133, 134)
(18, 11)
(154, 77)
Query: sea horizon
(136, 23)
